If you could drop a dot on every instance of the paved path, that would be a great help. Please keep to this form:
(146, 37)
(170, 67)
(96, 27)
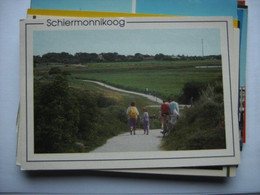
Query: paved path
(150, 97)
(133, 143)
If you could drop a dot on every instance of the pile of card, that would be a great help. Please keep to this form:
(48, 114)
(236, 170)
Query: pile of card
(86, 64)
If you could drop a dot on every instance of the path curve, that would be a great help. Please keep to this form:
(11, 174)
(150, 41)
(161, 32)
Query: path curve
(133, 143)
(150, 97)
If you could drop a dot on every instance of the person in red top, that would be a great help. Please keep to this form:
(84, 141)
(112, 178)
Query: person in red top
(165, 112)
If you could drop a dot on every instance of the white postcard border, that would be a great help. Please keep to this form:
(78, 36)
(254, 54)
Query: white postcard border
(30, 160)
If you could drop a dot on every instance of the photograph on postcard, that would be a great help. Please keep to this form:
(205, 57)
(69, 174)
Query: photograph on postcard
(126, 88)
(97, 88)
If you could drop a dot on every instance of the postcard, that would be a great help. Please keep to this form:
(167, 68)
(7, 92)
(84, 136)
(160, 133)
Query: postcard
(243, 17)
(188, 8)
(100, 5)
(80, 76)
(199, 171)
(172, 7)
(210, 171)
(189, 171)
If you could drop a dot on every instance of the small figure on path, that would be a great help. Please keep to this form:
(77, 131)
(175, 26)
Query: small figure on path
(133, 114)
(146, 91)
(145, 119)
(191, 101)
(154, 93)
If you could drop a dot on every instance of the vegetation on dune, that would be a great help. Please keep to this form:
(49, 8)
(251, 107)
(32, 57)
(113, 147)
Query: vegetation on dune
(77, 117)
(72, 120)
(203, 125)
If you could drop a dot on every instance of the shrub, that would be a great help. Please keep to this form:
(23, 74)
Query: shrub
(72, 120)
(202, 126)
(103, 101)
(55, 70)
(191, 89)
(56, 116)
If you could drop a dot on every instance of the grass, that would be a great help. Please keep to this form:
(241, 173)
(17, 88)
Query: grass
(123, 100)
(164, 82)
(166, 78)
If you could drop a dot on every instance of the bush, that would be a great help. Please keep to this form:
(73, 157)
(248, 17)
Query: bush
(202, 126)
(191, 89)
(103, 101)
(71, 120)
(56, 116)
(55, 70)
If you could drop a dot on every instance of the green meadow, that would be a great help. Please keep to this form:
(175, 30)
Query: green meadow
(165, 78)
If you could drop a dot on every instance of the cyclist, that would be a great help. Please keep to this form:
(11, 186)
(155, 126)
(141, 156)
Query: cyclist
(165, 112)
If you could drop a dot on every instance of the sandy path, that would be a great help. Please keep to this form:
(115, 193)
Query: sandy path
(133, 143)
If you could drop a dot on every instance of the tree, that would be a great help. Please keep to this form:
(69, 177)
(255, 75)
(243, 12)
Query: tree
(138, 57)
(110, 57)
(159, 56)
(86, 57)
(192, 89)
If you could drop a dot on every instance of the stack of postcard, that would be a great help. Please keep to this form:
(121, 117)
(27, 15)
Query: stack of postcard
(128, 92)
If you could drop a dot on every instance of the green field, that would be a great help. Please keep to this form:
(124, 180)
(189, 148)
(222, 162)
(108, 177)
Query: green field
(166, 78)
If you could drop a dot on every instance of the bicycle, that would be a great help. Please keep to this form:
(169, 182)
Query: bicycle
(170, 121)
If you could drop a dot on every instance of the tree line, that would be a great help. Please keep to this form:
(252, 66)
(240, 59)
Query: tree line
(83, 58)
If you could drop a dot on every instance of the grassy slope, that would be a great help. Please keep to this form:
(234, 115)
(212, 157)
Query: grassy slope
(123, 99)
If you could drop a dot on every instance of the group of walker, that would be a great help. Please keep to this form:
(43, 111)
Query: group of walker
(133, 115)
(169, 113)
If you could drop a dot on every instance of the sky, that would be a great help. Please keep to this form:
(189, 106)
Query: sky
(129, 42)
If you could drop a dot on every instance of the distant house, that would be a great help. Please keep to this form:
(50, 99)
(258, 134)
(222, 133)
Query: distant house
(175, 57)
(148, 58)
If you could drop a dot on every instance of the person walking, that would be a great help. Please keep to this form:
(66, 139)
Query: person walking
(174, 111)
(145, 119)
(133, 114)
(191, 101)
